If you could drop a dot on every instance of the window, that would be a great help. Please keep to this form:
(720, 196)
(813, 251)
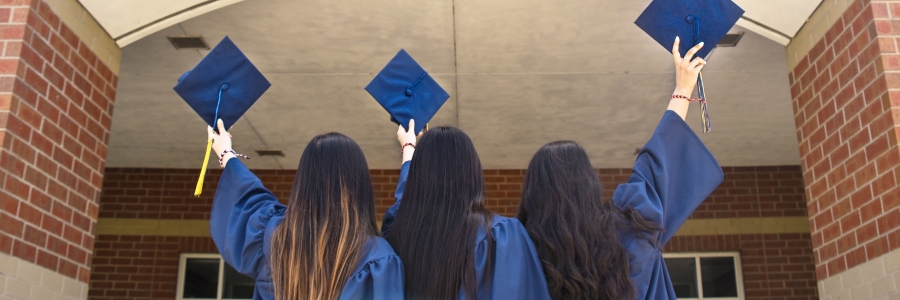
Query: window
(706, 275)
(208, 277)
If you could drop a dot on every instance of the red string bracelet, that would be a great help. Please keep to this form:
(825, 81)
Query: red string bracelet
(407, 144)
(222, 156)
(686, 98)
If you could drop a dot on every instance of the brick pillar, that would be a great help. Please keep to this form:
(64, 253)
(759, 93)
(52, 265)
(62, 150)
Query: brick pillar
(56, 99)
(846, 97)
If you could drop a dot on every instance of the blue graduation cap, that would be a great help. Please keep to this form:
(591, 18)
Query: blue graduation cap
(222, 86)
(694, 21)
(406, 91)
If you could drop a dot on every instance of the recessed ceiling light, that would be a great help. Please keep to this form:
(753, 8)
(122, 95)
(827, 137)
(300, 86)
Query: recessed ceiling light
(269, 152)
(188, 42)
(730, 40)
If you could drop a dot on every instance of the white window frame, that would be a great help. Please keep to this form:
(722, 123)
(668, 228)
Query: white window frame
(182, 263)
(738, 276)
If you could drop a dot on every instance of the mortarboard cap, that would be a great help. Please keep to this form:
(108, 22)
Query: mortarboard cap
(694, 21)
(223, 85)
(406, 91)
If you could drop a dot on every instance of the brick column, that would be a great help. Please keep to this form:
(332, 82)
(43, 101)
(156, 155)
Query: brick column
(846, 97)
(56, 99)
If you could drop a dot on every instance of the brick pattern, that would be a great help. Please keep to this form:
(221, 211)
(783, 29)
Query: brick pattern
(168, 193)
(775, 266)
(847, 111)
(140, 267)
(756, 192)
(56, 102)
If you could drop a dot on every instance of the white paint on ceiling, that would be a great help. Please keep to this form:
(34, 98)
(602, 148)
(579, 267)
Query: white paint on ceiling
(520, 74)
(129, 21)
(784, 16)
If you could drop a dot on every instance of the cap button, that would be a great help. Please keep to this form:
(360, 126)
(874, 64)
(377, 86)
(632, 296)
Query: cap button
(409, 92)
(225, 87)
(690, 18)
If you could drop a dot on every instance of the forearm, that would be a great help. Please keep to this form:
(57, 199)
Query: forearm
(228, 156)
(408, 153)
(680, 106)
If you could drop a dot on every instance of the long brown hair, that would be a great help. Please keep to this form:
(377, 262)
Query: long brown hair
(574, 231)
(327, 223)
(443, 208)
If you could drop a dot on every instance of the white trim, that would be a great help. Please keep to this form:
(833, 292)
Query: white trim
(764, 32)
(131, 37)
(182, 262)
(221, 278)
(738, 272)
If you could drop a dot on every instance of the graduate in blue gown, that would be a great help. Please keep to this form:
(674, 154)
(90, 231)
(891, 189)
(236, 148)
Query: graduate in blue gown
(451, 246)
(324, 244)
(599, 250)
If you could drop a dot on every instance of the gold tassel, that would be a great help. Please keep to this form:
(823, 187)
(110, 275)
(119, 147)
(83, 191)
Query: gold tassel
(203, 169)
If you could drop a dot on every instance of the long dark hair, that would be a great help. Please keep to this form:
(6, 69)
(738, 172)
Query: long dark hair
(328, 221)
(574, 231)
(442, 209)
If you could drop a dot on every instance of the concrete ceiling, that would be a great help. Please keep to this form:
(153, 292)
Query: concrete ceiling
(778, 20)
(520, 74)
(129, 21)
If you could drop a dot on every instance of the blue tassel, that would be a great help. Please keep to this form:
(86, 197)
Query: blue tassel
(704, 108)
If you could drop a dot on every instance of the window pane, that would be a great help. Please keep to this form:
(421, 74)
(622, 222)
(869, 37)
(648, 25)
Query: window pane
(684, 276)
(201, 278)
(236, 285)
(718, 275)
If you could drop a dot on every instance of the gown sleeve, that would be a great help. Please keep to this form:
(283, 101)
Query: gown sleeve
(379, 279)
(673, 174)
(517, 270)
(244, 214)
(391, 213)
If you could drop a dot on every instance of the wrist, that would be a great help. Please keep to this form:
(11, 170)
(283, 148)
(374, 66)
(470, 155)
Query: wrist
(407, 150)
(226, 158)
(228, 154)
(683, 92)
(408, 155)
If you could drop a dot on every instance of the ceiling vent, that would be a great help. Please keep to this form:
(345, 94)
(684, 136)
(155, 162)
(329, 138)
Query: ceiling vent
(730, 40)
(188, 42)
(269, 152)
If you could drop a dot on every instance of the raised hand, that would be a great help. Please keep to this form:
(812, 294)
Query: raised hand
(687, 68)
(407, 139)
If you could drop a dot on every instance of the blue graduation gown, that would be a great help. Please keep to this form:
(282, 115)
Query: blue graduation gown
(673, 174)
(518, 273)
(244, 216)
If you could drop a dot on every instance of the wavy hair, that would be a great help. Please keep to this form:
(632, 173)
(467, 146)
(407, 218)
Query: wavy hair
(327, 223)
(573, 229)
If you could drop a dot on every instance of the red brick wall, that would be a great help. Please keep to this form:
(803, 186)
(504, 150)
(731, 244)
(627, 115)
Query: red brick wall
(847, 124)
(782, 263)
(775, 266)
(55, 113)
(168, 193)
(140, 267)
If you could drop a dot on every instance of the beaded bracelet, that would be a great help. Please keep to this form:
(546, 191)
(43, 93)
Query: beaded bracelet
(407, 144)
(222, 156)
(686, 98)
